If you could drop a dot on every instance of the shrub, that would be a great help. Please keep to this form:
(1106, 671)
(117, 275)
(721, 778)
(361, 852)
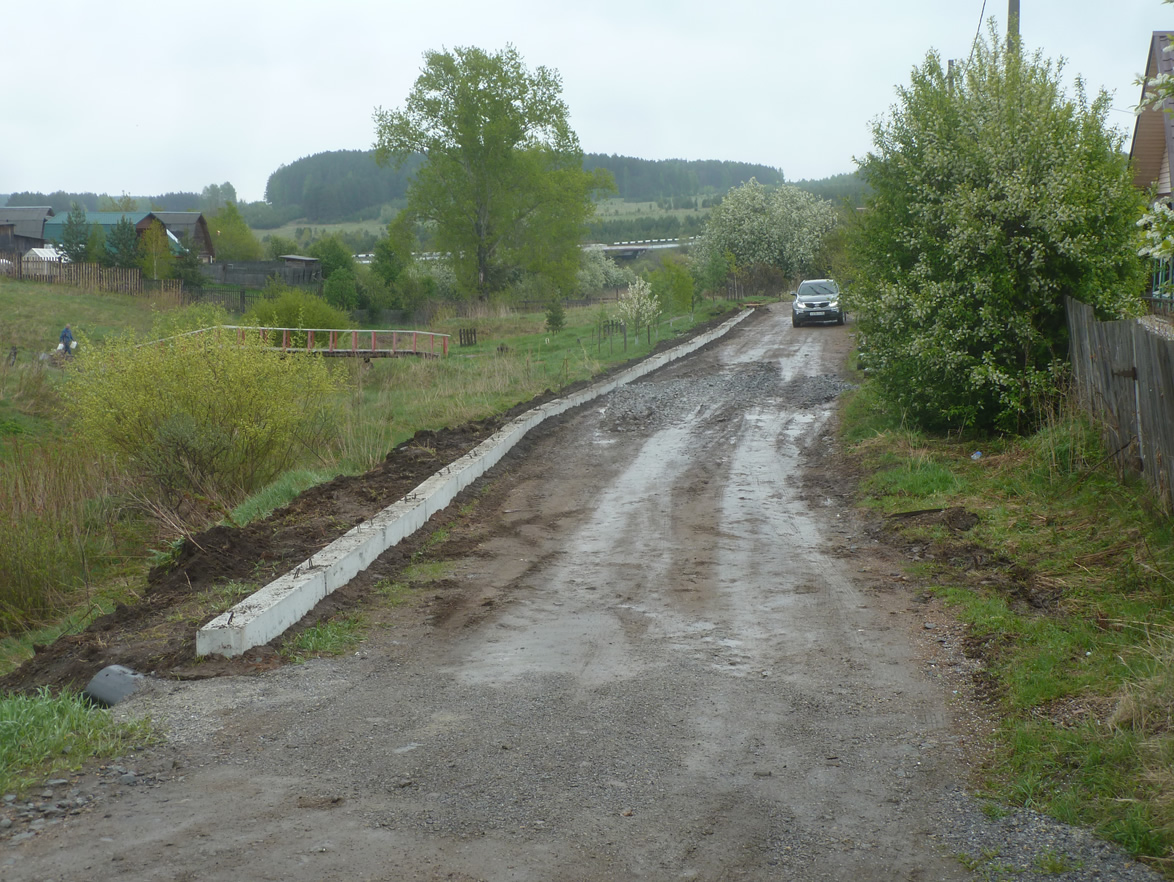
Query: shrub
(294, 308)
(203, 417)
(637, 308)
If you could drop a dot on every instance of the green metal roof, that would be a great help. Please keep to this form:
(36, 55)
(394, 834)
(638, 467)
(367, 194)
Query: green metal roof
(108, 220)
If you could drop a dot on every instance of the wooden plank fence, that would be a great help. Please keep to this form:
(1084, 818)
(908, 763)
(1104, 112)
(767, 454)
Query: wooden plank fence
(88, 276)
(1124, 374)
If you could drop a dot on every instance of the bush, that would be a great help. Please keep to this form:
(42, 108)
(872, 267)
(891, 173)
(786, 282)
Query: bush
(341, 291)
(294, 308)
(993, 197)
(204, 418)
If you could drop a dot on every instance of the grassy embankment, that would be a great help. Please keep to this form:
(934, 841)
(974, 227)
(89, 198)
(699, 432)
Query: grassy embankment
(1066, 587)
(75, 542)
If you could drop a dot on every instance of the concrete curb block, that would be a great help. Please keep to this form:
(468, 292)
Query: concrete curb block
(283, 602)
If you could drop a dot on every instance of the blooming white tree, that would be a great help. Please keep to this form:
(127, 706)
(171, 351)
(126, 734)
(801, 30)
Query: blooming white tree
(638, 308)
(994, 196)
(777, 227)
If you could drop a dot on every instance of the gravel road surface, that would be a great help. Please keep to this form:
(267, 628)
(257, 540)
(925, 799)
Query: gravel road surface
(663, 648)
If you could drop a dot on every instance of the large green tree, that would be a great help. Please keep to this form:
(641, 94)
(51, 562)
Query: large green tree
(503, 177)
(994, 195)
(231, 236)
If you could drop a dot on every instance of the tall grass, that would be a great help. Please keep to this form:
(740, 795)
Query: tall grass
(56, 522)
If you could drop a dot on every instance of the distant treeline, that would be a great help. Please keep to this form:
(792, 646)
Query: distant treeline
(348, 185)
(210, 200)
(661, 180)
(62, 201)
(631, 229)
(845, 189)
(338, 185)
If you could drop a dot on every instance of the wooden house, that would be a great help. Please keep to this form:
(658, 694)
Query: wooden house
(191, 229)
(1151, 152)
(23, 227)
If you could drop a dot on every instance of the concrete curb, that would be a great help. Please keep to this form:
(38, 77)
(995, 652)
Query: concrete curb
(270, 611)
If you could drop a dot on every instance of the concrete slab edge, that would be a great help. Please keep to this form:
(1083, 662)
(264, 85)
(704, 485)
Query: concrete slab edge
(267, 613)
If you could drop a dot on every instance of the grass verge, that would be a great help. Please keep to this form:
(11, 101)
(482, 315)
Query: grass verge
(44, 735)
(1066, 586)
(333, 637)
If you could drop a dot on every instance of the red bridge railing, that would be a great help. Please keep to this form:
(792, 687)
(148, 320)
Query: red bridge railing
(342, 341)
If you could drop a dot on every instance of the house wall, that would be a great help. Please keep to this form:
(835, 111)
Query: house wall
(1164, 174)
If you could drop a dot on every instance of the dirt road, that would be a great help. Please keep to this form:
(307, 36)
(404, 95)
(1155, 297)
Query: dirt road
(653, 655)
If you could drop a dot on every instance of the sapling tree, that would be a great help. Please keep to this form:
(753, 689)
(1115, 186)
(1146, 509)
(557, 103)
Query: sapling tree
(638, 308)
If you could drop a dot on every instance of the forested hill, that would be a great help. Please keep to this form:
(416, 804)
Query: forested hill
(347, 184)
(337, 185)
(661, 180)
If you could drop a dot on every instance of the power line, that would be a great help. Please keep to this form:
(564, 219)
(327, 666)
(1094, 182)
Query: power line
(977, 31)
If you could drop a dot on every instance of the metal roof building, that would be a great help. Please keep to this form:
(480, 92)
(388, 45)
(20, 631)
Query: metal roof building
(23, 227)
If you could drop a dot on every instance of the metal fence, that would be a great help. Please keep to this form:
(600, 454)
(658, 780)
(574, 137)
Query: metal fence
(1124, 374)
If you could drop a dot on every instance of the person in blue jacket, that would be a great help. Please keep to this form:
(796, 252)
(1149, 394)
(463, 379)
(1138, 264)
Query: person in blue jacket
(66, 341)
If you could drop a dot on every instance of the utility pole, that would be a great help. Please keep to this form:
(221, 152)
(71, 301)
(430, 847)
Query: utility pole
(1012, 24)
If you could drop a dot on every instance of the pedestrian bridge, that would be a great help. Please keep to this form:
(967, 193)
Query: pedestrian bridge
(336, 342)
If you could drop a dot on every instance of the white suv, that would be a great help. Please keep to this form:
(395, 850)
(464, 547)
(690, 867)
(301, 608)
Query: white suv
(817, 300)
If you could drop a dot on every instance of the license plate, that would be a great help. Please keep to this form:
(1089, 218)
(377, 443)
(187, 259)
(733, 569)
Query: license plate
(820, 314)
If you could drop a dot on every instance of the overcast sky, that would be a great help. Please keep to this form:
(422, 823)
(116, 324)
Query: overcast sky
(149, 98)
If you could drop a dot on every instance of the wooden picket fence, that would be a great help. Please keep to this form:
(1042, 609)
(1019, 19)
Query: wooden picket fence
(88, 276)
(1124, 375)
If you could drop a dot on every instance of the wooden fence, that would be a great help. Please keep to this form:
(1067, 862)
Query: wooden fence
(1125, 380)
(89, 276)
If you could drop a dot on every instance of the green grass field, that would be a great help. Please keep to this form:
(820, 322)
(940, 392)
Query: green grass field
(34, 314)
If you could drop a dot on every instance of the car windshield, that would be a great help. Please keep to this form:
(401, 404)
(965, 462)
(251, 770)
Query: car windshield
(818, 291)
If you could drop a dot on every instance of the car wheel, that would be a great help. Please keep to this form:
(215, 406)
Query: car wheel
(840, 319)
(794, 322)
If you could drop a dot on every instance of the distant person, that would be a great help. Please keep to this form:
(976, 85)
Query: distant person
(67, 345)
